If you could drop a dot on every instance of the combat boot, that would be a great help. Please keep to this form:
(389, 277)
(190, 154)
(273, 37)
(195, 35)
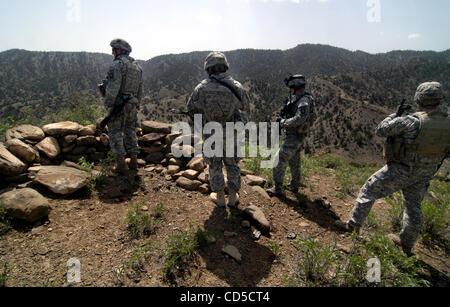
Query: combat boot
(220, 200)
(346, 227)
(121, 167)
(233, 200)
(275, 192)
(397, 241)
(133, 162)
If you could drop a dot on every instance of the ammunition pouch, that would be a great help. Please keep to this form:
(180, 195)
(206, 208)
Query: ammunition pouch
(393, 150)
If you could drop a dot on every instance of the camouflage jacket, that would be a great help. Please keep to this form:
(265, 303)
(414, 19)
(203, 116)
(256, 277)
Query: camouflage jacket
(116, 78)
(216, 102)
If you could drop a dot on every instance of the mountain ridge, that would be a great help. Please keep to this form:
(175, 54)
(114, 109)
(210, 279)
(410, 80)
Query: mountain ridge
(343, 82)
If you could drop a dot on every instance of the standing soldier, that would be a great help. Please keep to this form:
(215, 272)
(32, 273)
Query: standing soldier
(122, 90)
(220, 99)
(421, 142)
(297, 117)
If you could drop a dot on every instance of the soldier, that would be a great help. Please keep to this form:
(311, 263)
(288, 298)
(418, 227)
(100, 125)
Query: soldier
(220, 99)
(123, 93)
(298, 116)
(421, 142)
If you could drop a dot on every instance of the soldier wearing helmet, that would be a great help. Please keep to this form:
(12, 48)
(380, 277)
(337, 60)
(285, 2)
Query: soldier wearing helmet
(297, 117)
(220, 98)
(123, 87)
(424, 138)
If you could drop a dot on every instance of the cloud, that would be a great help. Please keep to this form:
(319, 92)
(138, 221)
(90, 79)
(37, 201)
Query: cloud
(414, 36)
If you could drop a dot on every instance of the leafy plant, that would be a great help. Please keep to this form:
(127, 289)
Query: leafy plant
(181, 248)
(138, 223)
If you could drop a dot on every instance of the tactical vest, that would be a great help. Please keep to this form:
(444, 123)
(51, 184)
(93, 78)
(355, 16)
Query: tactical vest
(433, 139)
(434, 135)
(292, 110)
(131, 77)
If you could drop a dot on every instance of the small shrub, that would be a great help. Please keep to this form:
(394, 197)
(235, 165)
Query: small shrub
(138, 223)
(275, 248)
(316, 264)
(397, 269)
(158, 211)
(180, 250)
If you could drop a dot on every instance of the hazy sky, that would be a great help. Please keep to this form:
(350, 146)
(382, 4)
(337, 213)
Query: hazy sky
(177, 26)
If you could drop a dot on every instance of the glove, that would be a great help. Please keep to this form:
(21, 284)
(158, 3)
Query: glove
(402, 109)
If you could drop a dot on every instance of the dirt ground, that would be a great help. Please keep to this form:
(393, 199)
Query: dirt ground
(90, 227)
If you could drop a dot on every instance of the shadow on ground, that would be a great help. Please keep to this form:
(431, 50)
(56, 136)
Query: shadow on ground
(257, 259)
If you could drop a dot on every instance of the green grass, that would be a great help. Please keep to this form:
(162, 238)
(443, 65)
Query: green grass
(140, 224)
(322, 264)
(140, 254)
(180, 251)
(436, 215)
(105, 167)
(4, 275)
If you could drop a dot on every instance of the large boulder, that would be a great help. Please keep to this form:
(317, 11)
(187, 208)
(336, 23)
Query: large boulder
(61, 179)
(25, 132)
(25, 204)
(61, 129)
(23, 151)
(10, 165)
(155, 127)
(50, 147)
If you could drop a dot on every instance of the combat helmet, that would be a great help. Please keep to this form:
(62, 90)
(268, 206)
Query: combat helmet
(429, 94)
(216, 59)
(122, 44)
(295, 81)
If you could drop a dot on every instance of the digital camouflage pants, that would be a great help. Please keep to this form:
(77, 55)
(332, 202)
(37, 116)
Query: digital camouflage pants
(289, 154)
(122, 131)
(413, 182)
(216, 176)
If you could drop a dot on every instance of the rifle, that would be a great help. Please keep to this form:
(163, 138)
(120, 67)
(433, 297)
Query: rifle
(116, 110)
(392, 151)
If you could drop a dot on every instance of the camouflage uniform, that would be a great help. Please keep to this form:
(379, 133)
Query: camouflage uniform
(124, 77)
(411, 174)
(296, 129)
(217, 103)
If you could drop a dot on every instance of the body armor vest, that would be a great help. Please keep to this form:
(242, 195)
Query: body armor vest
(131, 77)
(434, 136)
(433, 140)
